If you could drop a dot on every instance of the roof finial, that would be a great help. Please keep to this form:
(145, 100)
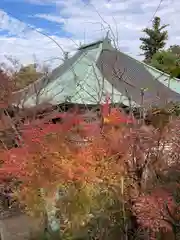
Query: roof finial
(66, 56)
(107, 35)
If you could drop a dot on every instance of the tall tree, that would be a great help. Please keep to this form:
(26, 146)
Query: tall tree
(155, 40)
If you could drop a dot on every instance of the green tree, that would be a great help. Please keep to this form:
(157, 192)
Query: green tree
(168, 62)
(26, 75)
(155, 40)
(175, 49)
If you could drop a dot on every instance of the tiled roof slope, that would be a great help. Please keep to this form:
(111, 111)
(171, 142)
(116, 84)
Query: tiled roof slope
(96, 70)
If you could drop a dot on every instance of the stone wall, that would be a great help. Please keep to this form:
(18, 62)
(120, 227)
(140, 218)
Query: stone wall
(19, 227)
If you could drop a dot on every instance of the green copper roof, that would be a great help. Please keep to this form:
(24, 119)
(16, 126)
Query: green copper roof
(96, 70)
(165, 79)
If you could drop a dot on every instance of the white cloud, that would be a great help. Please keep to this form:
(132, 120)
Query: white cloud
(88, 22)
(51, 18)
(127, 16)
(12, 25)
(25, 49)
(25, 44)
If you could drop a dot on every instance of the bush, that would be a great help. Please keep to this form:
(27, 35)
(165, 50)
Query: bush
(110, 184)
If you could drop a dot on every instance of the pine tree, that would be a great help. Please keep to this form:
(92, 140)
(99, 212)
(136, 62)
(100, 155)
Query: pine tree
(155, 40)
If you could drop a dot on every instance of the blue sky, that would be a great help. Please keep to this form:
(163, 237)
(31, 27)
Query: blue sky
(25, 12)
(73, 21)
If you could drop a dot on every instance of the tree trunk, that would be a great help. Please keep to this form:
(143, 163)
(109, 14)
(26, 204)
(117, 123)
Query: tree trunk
(53, 224)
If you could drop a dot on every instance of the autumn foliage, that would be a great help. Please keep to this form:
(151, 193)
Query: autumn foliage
(111, 173)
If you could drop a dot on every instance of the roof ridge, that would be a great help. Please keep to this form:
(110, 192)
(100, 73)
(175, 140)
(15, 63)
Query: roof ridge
(90, 44)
